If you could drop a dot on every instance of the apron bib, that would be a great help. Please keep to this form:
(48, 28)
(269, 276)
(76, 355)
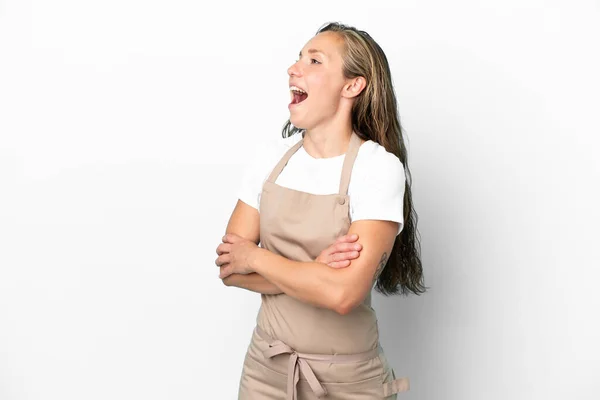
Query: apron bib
(299, 351)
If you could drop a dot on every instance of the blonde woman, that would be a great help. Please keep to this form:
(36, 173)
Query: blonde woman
(340, 169)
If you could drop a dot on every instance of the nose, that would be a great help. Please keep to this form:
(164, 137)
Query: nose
(294, 70)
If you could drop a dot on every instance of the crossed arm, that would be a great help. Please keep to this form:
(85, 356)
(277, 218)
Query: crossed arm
(313, 282)
(254, 282)
(245, 222)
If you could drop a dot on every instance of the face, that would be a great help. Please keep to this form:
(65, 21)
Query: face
(318, 72)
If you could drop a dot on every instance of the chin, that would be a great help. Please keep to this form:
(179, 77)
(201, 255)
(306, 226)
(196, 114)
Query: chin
(297, 122)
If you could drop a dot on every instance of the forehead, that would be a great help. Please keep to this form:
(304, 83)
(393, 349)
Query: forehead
(330, 43)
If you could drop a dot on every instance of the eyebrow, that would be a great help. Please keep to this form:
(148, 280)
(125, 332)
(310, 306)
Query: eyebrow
(311, 51)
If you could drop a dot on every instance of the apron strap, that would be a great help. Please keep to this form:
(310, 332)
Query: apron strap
(349, 158)
(284, 160)
(297, 363)
(396, 386)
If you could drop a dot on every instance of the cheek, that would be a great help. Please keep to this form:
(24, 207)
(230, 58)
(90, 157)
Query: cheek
(324, 89)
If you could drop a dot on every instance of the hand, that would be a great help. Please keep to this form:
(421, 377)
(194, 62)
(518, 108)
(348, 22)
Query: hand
(339, 254)
(234, 255)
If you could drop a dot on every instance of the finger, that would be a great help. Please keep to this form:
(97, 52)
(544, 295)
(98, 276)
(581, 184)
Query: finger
(337, 257)
(345, 255)
(340, 264)
(223, 248)
(230, 238)
(223, 259)
(340, 239)
(341, 255)
(347, 238)
(223, 273)
(340, 246)
(343, 247)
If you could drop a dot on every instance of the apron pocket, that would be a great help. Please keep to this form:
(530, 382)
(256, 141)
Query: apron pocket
(366, 389)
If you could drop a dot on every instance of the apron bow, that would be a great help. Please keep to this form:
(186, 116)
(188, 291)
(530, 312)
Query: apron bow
(296, 363)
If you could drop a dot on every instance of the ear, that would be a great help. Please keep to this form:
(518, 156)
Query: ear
(354, 87)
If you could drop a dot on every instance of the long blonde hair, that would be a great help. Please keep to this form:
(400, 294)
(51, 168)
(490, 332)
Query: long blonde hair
(375, 117)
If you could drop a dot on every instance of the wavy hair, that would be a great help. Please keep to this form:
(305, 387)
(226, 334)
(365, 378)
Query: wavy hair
(375, 117)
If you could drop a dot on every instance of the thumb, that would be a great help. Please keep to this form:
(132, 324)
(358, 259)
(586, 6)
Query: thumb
(225, 272)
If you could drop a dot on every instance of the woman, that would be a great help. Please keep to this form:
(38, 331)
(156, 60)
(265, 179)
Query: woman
(316, 333)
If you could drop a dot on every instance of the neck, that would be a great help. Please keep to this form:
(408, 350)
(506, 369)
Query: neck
(328, 140)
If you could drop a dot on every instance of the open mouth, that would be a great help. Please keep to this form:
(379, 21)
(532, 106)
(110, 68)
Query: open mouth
(298, 95)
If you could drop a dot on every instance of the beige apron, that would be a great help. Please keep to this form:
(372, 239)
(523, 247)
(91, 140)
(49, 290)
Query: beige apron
(299, 351)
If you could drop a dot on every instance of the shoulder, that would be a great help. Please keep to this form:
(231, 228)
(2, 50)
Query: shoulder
(377, 185)
(373, 161)
(262, 156)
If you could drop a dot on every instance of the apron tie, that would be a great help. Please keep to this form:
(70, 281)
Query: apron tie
(296, 363)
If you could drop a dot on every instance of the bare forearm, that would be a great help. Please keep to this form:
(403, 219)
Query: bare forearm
(253, 282)
(311, 282)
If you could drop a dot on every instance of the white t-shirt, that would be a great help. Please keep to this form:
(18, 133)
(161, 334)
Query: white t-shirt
(376, 188)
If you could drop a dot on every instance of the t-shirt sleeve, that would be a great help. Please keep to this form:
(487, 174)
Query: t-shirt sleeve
(256, 169)
(379, 190)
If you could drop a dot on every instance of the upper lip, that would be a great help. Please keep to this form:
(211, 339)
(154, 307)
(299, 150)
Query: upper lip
(298, 86)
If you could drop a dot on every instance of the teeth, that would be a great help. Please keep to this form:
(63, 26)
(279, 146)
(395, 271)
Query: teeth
(296, 89)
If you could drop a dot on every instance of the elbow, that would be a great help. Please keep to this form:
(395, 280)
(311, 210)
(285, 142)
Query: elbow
(346, 301)
(343, 309)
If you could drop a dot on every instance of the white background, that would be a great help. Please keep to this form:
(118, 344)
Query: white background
(124, 126)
